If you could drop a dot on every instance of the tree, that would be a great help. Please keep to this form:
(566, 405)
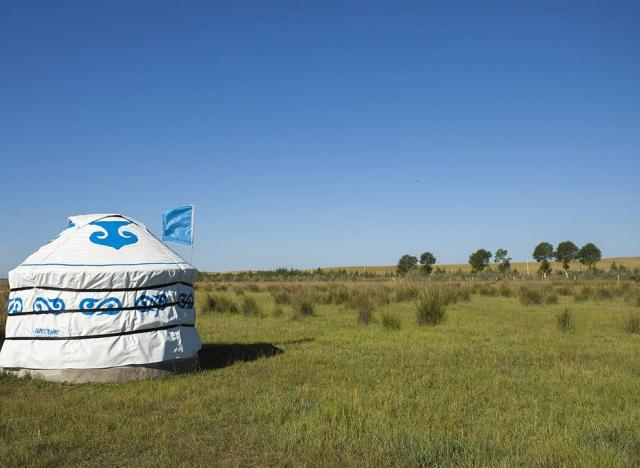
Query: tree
(589, 255)
(566, 252)
(479, 259)
(502, 259)
(406, 264)
(427, 260)
(543, 253)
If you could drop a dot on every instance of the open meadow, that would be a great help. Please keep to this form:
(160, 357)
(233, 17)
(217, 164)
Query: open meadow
(376, 373)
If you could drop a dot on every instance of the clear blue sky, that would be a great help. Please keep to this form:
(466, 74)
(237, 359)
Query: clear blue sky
(325, 133)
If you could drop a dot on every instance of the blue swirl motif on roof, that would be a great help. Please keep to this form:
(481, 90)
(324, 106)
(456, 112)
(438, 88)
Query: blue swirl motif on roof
(111, 236)
(104, 305)
(185, 301)
(147, 303)
(14, 306)
(43, 303)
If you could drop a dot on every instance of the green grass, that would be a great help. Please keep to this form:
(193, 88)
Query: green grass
(496, 383)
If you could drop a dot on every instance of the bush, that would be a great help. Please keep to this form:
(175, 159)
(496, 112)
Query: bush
(390, 321)
(430, 307)
(565, 320)
(633, 324)
(531, 295)
(250, 306)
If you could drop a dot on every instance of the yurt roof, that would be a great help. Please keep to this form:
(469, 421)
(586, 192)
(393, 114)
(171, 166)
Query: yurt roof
(108, 250)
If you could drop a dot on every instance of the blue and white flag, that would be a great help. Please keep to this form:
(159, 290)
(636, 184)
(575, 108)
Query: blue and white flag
(177, 225)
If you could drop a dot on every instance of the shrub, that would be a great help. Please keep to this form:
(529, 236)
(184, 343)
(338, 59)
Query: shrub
(531, 295)
(430, 307)
(390, 321)
(250, 306)
(633, 323)
(565, 320)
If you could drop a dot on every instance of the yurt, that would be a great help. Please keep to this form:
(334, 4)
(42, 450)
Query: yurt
(105, 300)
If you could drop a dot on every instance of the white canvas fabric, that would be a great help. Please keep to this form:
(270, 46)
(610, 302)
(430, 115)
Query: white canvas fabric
(104, 293)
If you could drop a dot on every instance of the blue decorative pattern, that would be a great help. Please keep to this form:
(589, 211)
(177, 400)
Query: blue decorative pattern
(14, 306)
(44, 303)
(185, 301)
(147, 303)
(96, 304)
(111, 236)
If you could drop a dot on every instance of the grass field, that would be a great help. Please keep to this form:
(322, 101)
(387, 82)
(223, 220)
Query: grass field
(496, 383)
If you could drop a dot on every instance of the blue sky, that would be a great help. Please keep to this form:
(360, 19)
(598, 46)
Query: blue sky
(325, 133)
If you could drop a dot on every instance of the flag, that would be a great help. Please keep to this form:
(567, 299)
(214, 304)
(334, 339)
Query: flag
(177, 225)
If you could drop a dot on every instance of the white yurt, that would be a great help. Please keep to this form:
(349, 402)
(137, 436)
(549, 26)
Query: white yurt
(105, 300)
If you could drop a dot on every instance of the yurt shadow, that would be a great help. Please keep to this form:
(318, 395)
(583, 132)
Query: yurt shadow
(219, 355)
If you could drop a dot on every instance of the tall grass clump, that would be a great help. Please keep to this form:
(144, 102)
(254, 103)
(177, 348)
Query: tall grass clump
(603, 293)
(565, 320)
(391, 321)
(364, 306)
(505, 290)
(407, 292)
(550, 298)
(304, 307)
(530, 295)
(583, 294)
(281, 297)
(206, 303)
(430, 307)
(633, 323)
(250, 306)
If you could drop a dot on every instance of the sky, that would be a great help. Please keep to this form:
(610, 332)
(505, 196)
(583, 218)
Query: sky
(325, 133)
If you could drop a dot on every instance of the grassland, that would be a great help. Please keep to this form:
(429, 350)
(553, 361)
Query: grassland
(498, 382)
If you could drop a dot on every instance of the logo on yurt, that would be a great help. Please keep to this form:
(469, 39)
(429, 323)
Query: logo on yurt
(112, 236)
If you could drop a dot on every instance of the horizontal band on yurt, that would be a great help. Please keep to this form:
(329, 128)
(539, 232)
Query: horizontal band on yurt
(106, 335)
(145, 307)
(140, 288)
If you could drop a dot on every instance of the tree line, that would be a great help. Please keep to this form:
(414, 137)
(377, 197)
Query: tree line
(544, 253)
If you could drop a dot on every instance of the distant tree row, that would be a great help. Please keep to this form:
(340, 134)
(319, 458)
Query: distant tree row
(544, 253)
(566, 252)
(409, 262)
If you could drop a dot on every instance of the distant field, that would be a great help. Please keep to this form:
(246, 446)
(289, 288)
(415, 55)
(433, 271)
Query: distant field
(629, 262)
(498, 383)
